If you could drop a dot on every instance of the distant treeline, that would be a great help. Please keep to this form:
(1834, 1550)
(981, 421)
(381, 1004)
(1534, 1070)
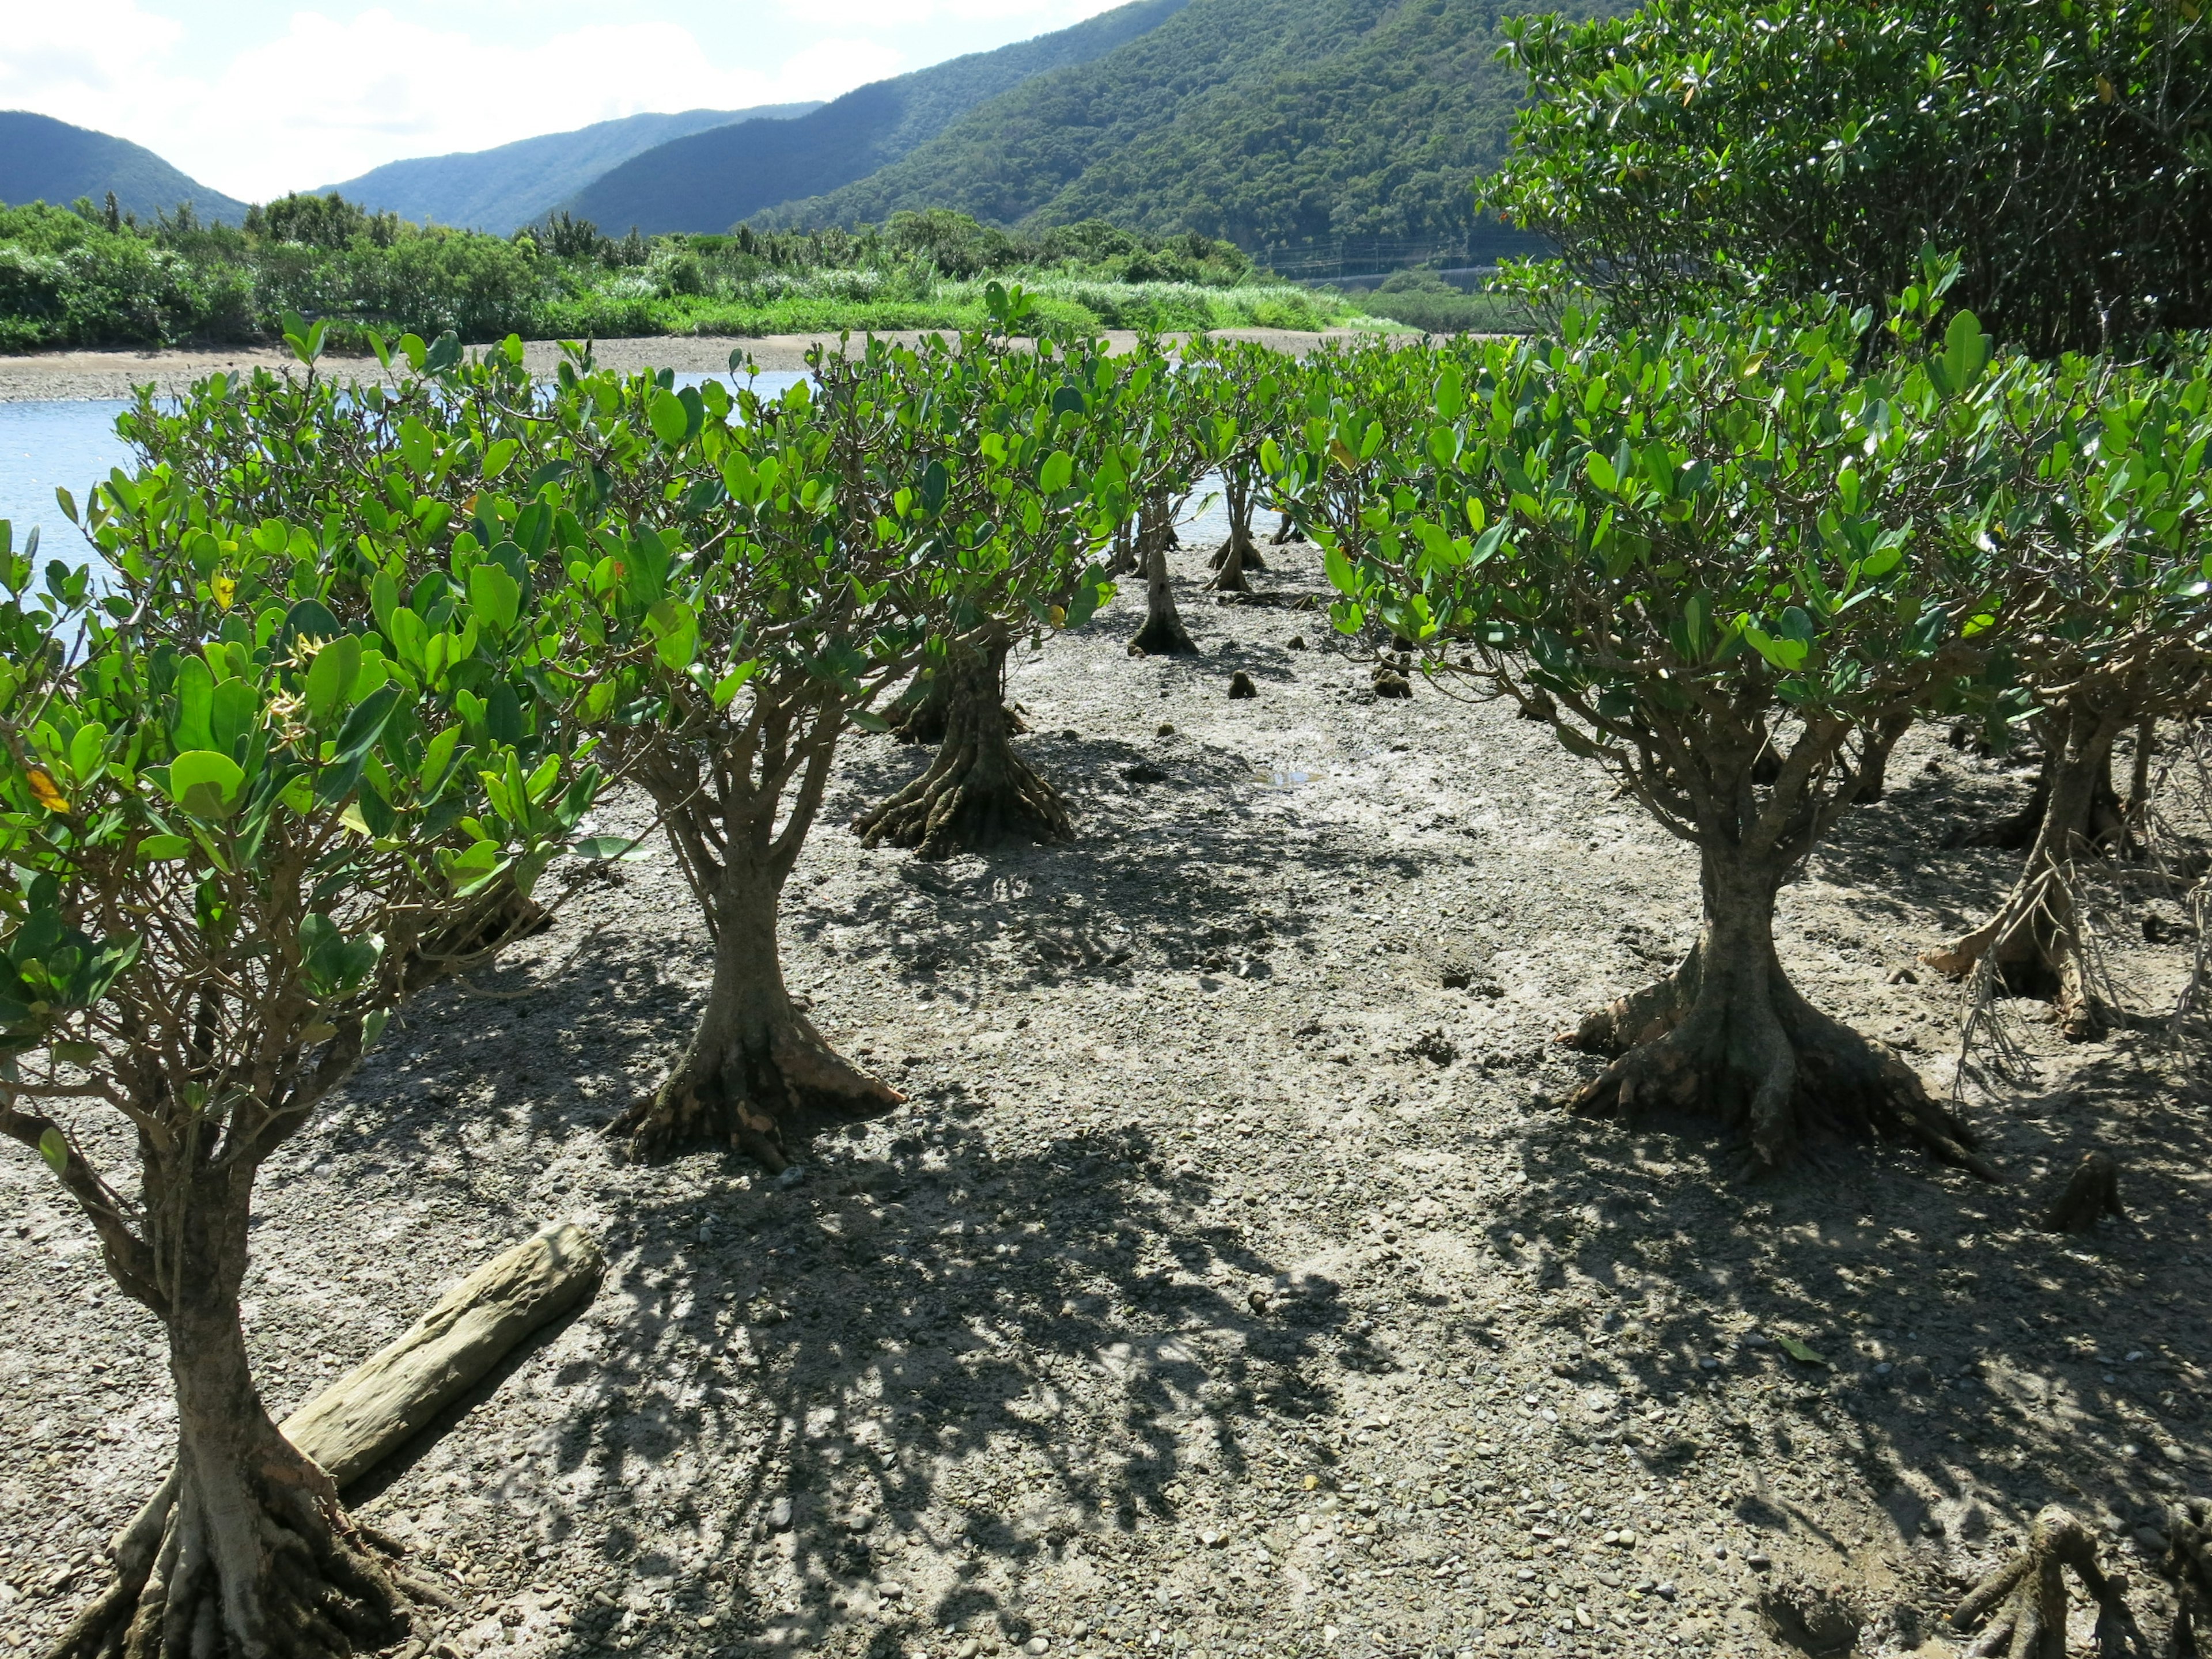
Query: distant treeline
(89, 274)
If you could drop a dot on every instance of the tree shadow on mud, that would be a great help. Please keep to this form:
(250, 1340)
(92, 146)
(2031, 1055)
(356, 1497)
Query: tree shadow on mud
(1954, 1368)
(831, 1399)
(1177, 863)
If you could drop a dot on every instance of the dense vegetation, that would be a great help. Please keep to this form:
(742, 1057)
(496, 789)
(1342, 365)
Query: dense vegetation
(708, 181)
(88, 277)
(1268, 122)
(43, 160)
(2063, 151)
(502, 188)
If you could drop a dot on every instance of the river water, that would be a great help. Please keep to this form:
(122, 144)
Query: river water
(42, 444)
(73, 444)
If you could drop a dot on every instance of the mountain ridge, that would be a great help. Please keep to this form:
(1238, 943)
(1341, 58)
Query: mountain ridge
(510, 185)
(1265, 122)
(45, 160)
(709, 180)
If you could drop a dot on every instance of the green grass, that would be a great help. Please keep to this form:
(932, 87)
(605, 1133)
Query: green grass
(853, 299)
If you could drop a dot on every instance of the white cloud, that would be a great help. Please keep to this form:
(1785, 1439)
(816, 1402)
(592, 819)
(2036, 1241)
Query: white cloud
(331, 98)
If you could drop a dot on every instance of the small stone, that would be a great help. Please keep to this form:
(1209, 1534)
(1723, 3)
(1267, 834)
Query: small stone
(1298, 643)
(778, 1515)
(1664, 1592)
(2135, 1357)
(1211, 1539)
(968, 1649)
(2151, 1540)
(1758, 1561)
(1241, 687)
(1037, 1644)
(1166, 730)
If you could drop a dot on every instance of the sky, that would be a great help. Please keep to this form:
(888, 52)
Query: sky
(254, 98)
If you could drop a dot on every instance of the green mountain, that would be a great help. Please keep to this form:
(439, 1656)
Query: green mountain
(1273, 124)
(709, 180)
(43, 160)
(498, 190)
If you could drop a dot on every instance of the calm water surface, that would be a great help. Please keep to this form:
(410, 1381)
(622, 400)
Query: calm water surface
(42, 444)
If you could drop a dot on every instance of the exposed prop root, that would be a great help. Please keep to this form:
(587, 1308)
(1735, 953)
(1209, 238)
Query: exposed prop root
(2025, 1600)
(1285, 531)
(271, 1568)
(2091, 1193)
(1642, 1016)
(1767, 1062)
(757, 1100)
(1252, 560)
(2188, 1564)
(977, 792)
(1241, 687)
(2035, 946)
(1162, 635)
(969, 798)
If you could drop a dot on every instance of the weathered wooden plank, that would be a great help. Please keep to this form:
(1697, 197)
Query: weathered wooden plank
(371, 1411)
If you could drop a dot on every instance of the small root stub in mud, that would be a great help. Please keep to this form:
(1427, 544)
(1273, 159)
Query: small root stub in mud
(2092, 1192)
(1241, 687)
(2025, 1600)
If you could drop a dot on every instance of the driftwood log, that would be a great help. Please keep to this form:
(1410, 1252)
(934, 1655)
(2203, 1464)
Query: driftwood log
(380, 1403)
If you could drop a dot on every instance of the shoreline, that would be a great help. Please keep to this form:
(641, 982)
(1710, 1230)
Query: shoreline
(86, 375)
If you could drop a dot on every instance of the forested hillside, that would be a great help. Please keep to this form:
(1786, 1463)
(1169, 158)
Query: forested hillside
(43, 160)
(1270, 122)
(500, 189)
(709, 180)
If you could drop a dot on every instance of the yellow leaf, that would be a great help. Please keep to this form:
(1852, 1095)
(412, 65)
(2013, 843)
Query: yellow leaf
(352, 819)
(1059, 615)
(1341, 455)
(2104, 92)
(226, 590)
(44, 791)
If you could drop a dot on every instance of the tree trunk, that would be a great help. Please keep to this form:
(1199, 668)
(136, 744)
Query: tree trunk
(1728, 1033)
(1874, 758)
(2034, 946)
(978, 792)
(2103, 819)
(243, 1553)
(1124, 560)
(1236, 553)
(1163, 633)
(757, 1075)
(921, 714)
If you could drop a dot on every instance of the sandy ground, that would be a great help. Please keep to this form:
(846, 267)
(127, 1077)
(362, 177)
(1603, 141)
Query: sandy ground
(73, 374)
(1229, 1286)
